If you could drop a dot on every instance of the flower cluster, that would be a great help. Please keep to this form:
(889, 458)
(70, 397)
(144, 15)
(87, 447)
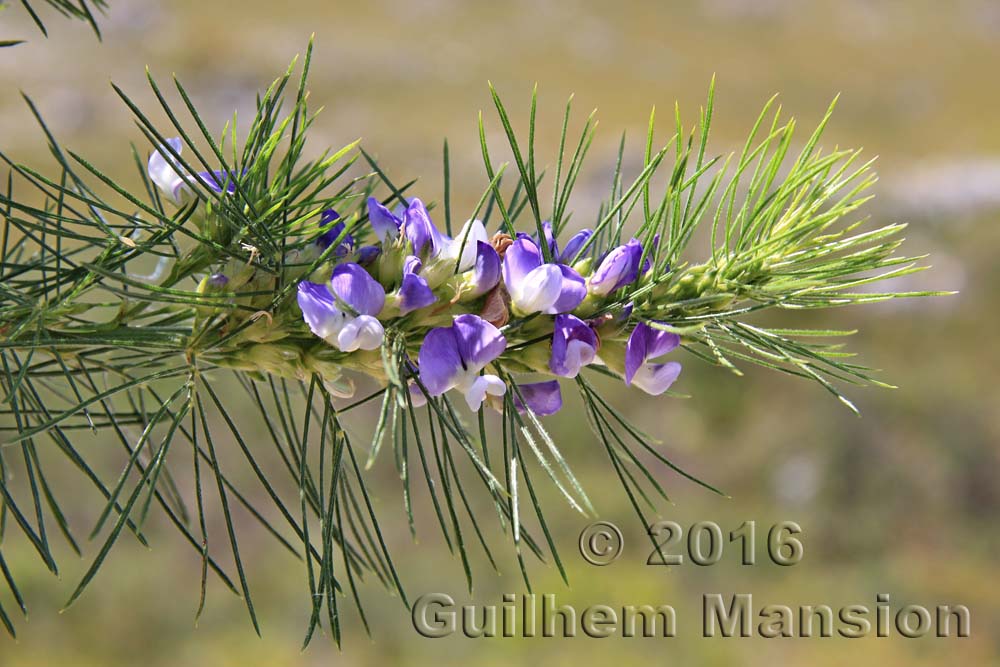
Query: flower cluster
(466, 303)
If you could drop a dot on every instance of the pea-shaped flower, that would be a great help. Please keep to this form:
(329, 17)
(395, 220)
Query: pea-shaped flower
(344, 313)
(644, 345)
(574, 345)
(164, 172)
(619, 267)
(542, 398)
(535, 286)
(452, 358)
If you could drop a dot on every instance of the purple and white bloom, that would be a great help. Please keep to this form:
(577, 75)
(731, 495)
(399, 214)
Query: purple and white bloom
(568, 254)
(620, 267)
(452, 358)
(164, 172)
(333, 228)
(574, 345)
(538, 287)
(644, 345)
(414, 292)
(542, 398)
(344, 314)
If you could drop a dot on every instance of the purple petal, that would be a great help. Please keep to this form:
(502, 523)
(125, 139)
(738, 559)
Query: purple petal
(414, 291)
(384, 223)
(574, 245)
(439, 360)
(355, 287)
(550, 239)
(521, 258)
(486, 272)
(478, 341)
(332, 231)
(573, 292)
(214, 180)
(420, 230)
(220, 280)
(542, 398)
(319, 309)
(619, 268)
(574, 345)
(368, 254)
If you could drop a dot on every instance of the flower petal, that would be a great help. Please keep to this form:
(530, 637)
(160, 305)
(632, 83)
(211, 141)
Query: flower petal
(645, 343)
(477, 341)
(414, 292)
(574, 345)
(574, 245)
(356, 288)
(162, 169)
(480, 387)
(466, 244)
(486, 272)
(655, 379)
(319, 310)
(542, 398)
(572, 291)
(384, 223)
(522, 257)
(439, 360)
(619, 268)
(420, 230)
(538, 290)
(363, 332)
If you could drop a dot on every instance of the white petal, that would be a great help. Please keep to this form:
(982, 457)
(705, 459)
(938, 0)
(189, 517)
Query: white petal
(538, 290)
(363, 332)
(163, 172)
(655, 379)
(578, 355)
(476, 392)
(472, 232)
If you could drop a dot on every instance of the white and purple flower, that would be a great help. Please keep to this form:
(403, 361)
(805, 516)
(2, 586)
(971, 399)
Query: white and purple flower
(453, 357)
(535, 286)
(644, 345)
(344, 313)
(619, 268)
(574, 345)
(164, 172)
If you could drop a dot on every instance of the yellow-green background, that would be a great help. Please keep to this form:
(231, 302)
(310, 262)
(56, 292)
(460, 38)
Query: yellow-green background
(902, 501)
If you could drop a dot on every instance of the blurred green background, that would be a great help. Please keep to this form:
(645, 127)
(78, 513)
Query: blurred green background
(903, 500)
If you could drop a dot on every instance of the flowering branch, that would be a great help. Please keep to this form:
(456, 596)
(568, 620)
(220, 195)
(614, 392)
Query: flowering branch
(123, 311)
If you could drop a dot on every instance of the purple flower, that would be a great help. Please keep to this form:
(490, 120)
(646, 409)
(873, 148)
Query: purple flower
(619, 268)
(574, 345)
(420, 231)
(384, 223)
(644, 344)
(537, 287)
(414, 292)
(344, 314)
(332, 230)
(452, 357)
(542, 398)
(217, 280)
(463, 249)
(164, 172)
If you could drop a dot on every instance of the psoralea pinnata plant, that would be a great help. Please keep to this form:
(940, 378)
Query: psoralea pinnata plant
(242, 273)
